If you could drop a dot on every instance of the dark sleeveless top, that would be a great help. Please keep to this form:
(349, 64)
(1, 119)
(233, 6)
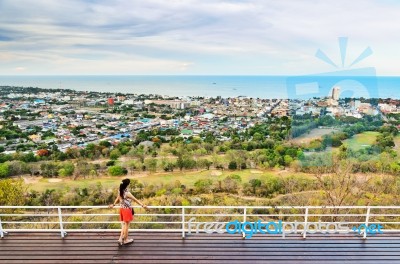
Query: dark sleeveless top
(125, 202)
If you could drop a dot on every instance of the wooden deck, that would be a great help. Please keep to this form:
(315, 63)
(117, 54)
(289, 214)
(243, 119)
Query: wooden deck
(197, 248)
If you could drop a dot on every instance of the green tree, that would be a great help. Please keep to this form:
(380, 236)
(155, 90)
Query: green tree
(138, 153)
(237, 156)
(82, 168)
(17, 167)
(67, 169)
(235, 177)
(203, 186)
(117, 171)
(132, 165)
(255, 183)
(105, 143)
(49, 169)
(204, 163)
(12, 192)
(287, 159)
(4, 170)
(185, 162)
(231, 183)
(30, 157)
(232, 165)
(115, 154)
(257, 136)
(151, 164)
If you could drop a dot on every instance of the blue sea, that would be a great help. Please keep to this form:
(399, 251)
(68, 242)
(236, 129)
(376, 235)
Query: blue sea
(225, 86)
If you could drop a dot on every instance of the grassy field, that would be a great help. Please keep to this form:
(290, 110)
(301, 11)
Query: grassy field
(315, 133)
(186, 178)
(361, 140)
(397, 142)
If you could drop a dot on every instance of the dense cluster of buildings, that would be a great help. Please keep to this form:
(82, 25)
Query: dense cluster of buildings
(73, 119)
(335, 106)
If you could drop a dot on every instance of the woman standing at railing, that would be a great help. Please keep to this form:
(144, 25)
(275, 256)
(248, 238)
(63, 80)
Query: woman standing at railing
(126, 211)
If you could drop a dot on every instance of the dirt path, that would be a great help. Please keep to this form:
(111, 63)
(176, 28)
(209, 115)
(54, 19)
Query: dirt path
(279, 196)
(31, 179)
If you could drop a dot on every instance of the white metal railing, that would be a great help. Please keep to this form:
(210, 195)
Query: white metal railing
(184, 219)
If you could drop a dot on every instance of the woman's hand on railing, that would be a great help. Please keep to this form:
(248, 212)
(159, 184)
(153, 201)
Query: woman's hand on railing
(111, 206)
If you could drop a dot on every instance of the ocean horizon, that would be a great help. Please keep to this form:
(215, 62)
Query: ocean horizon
(256, 86)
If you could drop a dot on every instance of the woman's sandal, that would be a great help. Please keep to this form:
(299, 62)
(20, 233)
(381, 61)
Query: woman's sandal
(120, 243)
(129, 241)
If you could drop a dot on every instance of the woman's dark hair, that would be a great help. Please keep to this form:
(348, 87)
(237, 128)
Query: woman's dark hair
(123, 186)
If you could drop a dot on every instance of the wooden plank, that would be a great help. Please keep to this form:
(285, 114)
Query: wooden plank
(37, 234)
(199, 248)
(229, 253)
(191, 257)
(202, 242)
(194, 249)
(215, 245)
(198, 261)
(199, 238)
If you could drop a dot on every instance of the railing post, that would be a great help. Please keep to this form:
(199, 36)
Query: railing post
(244, 220)
(1, 230)
(305, 223)
(366, 222)
(183, 222)
(61, 223)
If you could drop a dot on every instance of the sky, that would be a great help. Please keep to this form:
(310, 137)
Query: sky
(195, 37)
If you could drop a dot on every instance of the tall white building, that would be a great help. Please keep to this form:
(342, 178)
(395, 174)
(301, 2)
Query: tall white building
(335, 93)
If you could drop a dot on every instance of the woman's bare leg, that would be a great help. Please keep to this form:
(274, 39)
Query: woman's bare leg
(126, 230)
(122, 236)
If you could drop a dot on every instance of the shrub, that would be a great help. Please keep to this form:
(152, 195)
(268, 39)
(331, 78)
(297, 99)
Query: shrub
(110, 163)
(117, 171)
(115, 154)
(203, 185)
(4, 170)
(232, 165)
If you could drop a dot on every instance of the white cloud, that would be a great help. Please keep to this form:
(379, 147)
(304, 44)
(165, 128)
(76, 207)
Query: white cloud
(20, 69)
(208, 36)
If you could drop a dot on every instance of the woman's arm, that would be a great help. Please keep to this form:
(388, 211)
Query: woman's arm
(116, 201)
(136, 200)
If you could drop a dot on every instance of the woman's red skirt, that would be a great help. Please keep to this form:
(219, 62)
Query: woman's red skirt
(125, 214)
